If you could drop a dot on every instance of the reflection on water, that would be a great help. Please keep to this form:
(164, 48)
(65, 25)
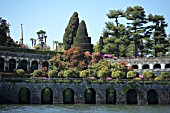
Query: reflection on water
(84, 108)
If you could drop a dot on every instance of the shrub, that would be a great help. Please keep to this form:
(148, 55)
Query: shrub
(61, 74)
(37, 73)
(164, 74)
(131, 74)
(84, 73)
(103, 73)
(68, 74)
(20, 72)
(148, 74)
(117, 74)
(76, 72)
(53, 73)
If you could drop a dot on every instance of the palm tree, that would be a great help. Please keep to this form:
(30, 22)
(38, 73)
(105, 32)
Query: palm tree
(32, 40)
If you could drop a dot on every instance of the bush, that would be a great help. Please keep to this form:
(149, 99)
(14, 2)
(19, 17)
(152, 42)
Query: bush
(103, 73)
(61, 74)
(20, 72)
(163, 76)
(37, 73)
(148, 74)
(117, 74)
(131, 74)
(84, 73)
(53, 73)
(76, 72)
(68, 74)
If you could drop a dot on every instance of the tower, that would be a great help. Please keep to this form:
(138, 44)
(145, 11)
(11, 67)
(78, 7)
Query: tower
(21, 39)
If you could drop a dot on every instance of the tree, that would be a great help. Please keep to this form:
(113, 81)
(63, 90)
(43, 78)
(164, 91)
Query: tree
(115, 36)
(5, 39)
(100, 45)
(137, 17)
(70, 31)
(158, 34)
(82, 40)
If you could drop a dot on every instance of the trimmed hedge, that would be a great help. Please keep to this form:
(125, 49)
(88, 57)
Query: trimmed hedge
(32, 51)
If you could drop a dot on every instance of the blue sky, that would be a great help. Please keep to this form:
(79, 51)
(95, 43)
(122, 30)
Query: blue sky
(53, 15)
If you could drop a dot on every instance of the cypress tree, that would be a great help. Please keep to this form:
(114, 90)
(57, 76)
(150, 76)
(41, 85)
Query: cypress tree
(82, 40)
(70, 31)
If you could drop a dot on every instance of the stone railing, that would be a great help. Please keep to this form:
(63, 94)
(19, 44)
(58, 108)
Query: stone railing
(154, 59)
(25, 55)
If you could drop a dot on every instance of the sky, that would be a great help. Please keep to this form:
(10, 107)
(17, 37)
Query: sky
(53, 15)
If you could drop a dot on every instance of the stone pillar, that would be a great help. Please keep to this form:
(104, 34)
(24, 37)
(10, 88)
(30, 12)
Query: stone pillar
(163, 96)
(79, 95)
(162, 65)
(140, 66)
(120, 96)
(142, 96)
(151, 66)
(100, 97)
(35, 96)
(58, 95)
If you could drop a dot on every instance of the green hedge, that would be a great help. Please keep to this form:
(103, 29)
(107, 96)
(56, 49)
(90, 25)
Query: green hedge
(32, 51)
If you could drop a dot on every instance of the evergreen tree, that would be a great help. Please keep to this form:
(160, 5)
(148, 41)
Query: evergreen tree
(5, 40)
(159, 36)
(136, 16)
(82, 40)
(100, 44)
(116, 35)
(70, 31)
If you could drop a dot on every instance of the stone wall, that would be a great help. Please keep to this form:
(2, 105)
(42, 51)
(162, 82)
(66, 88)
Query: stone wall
(10, 91)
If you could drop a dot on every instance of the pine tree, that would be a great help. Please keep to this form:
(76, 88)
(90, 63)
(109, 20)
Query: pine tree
(136, 16)
(115, 34)
(70, 31)
(159, 36)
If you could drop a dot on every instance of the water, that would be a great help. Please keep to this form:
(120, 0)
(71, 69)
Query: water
(84, 108)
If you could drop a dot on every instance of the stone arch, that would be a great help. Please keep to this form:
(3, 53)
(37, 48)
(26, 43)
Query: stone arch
(135, 66)
(157, 66)
(12, 65)
(2, 61)
(152, 97)
(167, 65)
(110, 96)
(90, 96)
(34, 65)
(24, 96)
(131, 96)
(47, 96)
(45, 64)
(23, 65)
(145, 66)
(68, 96)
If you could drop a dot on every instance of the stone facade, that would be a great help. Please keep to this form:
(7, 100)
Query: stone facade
(156, 65)
(10, 91)
(11, 60)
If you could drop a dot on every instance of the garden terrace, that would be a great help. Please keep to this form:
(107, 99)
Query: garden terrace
(84, 91)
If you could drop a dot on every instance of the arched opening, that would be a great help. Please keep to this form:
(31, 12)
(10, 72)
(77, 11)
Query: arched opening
(45, 64)
(1, 65)
(152, 97)
(46, 96)
(145, 66)
(24, 96)
(12, 65)
(135, 66)
(23, 65)
(68, 96)
(90, 96)
(34, 65)
(167, 66)
(110, 96)
(131, 96)
(157, 66)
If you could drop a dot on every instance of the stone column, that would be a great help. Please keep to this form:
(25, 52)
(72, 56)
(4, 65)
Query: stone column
(162, 65)
(35, 95)
(140, 66)
(151, 66)
(142, 96)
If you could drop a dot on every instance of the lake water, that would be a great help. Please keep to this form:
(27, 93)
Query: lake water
(84, 108)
